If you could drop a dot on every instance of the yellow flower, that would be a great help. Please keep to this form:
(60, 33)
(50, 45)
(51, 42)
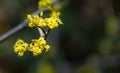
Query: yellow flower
(38, 45)
(35, 49)
(41, 13)
(47, 47)
(53, 21)
(45, 3)
(20, 47)
(36, 20)
(55, 13)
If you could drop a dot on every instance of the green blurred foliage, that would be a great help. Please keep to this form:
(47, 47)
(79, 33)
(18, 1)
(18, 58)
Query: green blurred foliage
(85, 69)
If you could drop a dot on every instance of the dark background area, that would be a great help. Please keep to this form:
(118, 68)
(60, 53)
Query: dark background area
(88, 42)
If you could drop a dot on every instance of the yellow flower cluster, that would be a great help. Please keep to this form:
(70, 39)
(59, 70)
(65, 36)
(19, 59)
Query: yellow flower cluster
(36, 21)
(52, 22)
(37, 46)
(45, 3)
(20, 47)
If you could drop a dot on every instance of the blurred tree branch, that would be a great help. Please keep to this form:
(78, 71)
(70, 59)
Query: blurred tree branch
(19, 26)
(22, 24)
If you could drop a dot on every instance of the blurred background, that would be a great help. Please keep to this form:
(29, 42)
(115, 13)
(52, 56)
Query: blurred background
(88, 42)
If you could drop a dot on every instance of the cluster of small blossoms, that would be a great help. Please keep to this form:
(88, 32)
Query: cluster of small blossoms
(20, 47)
(52, 22)
(38, 45)
(36, 21)
(45, 3)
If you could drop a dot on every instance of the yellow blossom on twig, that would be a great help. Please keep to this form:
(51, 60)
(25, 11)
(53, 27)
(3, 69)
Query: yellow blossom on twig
(45, 3)
(38, 45)
(52, 22)
(36, 20)
(20, 47)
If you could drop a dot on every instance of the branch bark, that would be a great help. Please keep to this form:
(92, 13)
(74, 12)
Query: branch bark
(19, 26)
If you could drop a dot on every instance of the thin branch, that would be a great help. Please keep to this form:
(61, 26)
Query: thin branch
(19, 27)
(48, 31)
(41, 32)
